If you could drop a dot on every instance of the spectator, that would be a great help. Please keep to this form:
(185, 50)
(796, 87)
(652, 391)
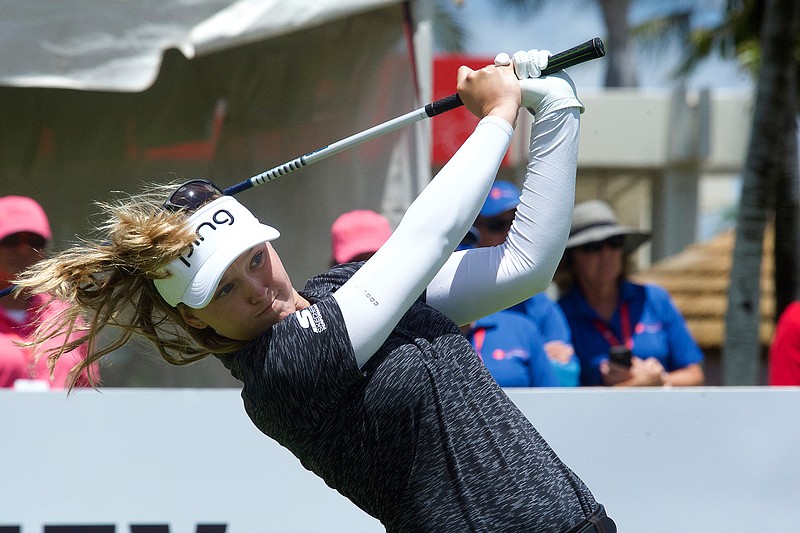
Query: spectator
(24, 236)
(608, 314)
(556, 337)
(357, 235)
(784, 352)
(493, 224)
(497, 213)
(510, 346)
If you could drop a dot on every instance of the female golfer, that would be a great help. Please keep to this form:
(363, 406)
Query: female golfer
(364, 374)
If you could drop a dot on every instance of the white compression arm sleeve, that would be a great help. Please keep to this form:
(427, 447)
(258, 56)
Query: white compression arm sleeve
(376, 297)
(481, 281)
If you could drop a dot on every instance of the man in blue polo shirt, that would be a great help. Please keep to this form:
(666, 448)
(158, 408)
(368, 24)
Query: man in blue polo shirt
(540, 312)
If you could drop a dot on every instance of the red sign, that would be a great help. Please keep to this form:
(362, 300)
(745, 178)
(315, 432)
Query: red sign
(452, 128)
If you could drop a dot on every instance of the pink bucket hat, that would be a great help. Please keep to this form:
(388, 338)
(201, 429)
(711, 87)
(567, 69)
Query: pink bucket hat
(358, 232)
(20, 213)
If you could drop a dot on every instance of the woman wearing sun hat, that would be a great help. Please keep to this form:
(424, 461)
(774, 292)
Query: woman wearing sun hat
(625, 334)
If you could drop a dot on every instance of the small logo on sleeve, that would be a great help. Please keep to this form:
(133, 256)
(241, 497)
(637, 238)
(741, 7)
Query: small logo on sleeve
(310, 317)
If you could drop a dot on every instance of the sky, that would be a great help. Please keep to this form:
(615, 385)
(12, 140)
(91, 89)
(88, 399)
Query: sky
(566, 23)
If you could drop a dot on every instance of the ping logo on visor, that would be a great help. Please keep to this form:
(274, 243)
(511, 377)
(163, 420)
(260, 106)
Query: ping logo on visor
(225, 229)
(218, 218)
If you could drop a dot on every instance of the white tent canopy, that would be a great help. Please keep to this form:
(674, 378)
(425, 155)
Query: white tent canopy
(118, 46)
(97, 97)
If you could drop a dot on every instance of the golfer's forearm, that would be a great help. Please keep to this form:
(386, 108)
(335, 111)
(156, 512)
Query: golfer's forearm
(478, 282)
(375, 298)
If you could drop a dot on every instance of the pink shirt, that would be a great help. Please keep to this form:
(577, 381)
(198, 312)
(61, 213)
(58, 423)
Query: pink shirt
(18, 363)
(784, 352)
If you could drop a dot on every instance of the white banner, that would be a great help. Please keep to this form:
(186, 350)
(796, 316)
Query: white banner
(157, 461)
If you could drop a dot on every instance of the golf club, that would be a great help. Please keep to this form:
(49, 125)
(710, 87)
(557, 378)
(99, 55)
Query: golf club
(591, 49)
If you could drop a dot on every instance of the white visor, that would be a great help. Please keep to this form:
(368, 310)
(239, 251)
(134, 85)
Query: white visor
(225, 230)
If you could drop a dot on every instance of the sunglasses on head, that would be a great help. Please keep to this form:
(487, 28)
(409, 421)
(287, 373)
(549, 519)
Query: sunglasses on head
(192, 195)
(615, 243)
(18, 239)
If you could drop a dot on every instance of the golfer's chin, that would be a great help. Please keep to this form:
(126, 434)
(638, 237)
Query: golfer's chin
(244, 331)
(251, 327)
(258, 327)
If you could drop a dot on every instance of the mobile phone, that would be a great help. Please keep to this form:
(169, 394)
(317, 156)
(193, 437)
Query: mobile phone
(620, 355)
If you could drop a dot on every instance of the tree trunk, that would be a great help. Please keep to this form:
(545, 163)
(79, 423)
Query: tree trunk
(787, 198)
(620, 61)
(763, 167)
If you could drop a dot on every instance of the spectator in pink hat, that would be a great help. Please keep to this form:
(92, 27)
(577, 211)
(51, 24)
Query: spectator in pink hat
(357, 235)
(24, 236)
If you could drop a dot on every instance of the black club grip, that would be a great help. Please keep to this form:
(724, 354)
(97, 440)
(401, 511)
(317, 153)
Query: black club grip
(591, 49)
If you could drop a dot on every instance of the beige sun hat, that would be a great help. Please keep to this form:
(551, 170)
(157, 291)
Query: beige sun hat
(595, 221)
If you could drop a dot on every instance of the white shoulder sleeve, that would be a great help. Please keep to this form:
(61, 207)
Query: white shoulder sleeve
(478, 282)
(376, 297)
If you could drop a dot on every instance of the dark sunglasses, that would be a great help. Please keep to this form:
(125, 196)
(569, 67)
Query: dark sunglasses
(615, 243)
(496, 225)
(192, 195)
(18, 239)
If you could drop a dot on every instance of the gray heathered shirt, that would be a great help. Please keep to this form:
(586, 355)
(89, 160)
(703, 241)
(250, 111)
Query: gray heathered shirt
(423, 439)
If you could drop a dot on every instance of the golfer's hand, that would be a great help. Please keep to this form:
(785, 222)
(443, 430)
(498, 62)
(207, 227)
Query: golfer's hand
(491, 90)
(526, 63)
(540, 95)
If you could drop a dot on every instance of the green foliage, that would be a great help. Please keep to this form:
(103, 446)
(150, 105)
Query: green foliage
(736, 36)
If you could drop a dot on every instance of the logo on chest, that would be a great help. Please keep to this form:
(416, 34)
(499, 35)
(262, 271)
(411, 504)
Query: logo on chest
(311, 318)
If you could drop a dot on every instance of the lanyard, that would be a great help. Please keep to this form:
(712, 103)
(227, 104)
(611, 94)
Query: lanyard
(477, 340)
(625, 324)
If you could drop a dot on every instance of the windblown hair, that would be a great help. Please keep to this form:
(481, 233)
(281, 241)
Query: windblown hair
(108, 281)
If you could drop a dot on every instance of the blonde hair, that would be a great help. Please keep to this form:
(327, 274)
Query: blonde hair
(108, 281)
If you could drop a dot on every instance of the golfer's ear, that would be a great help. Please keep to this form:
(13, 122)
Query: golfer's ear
(189, 318)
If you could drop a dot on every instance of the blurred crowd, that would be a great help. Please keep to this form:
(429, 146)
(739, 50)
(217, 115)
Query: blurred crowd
(594, 327)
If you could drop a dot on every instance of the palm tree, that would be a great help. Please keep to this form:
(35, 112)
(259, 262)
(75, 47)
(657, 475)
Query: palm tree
(762, 36)
(770, 181)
